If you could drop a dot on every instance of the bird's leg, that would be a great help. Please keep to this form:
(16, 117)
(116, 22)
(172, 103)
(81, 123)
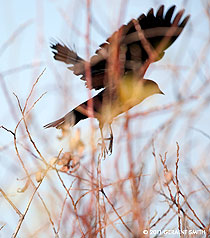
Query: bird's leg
(104, 150)
(111, 139)
(103, 145)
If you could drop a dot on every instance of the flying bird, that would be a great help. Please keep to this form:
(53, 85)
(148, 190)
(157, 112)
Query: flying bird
(119, 65)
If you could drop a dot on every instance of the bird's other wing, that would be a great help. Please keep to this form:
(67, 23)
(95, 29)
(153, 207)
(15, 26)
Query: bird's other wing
(159, 30)
(65, 54)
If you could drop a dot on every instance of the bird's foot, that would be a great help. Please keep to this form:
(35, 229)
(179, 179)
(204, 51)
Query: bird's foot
(110, 143)
(104, 149)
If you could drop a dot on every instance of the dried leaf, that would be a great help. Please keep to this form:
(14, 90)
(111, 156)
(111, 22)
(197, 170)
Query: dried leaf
(64, 131)
(53, 161)
(75, 160)
(65, 159)
(39, 176)
(76, 144)
(80, 149)
(75, 168)
(22, 190)
(65, 168)
(168, 176)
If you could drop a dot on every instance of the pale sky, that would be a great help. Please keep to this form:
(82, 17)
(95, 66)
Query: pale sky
(32, 25)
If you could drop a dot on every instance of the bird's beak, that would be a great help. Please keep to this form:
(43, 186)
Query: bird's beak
(162, 92)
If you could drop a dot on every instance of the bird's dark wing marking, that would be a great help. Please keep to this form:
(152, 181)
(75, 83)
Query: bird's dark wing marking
(77, 64)
(155, 28)
(159, 30)
(67, 55)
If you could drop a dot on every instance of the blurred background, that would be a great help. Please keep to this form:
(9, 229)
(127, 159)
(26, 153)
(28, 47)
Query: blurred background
(157, 177)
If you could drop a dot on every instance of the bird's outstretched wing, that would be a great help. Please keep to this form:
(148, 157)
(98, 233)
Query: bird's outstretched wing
(135, 42)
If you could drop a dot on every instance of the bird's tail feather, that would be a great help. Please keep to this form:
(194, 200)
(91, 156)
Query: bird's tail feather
(67, 120)
(55, 124)
(65, 54)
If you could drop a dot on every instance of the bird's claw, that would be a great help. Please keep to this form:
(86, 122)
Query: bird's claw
(104, 149)
(110, 144)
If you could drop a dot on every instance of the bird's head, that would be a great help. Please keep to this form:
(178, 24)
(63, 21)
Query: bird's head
(150, 87)
(134, 90)
(131, 91)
